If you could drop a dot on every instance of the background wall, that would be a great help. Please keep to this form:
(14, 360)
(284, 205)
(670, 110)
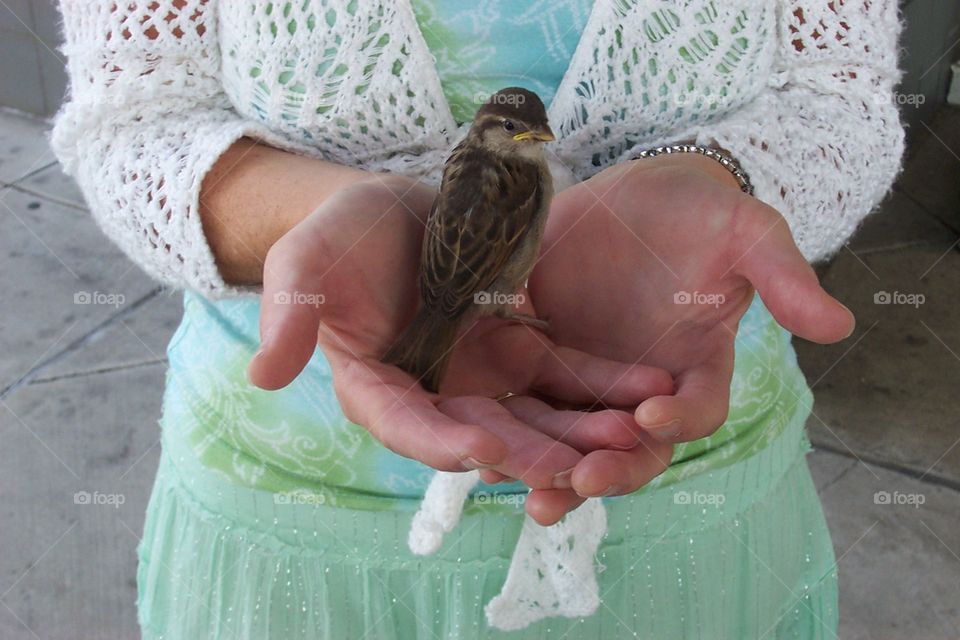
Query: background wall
(930, 42)
(32, 78)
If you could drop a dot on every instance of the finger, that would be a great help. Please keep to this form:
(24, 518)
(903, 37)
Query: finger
(290, 313)
(548, 506)
(788, 285)
(402, 416)
(582, 378)
(584, 431)
(493, 477)
(536, 459)
(615, 473)
(701, 403)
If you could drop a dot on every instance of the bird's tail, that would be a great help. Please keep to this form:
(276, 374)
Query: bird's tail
(423, 349)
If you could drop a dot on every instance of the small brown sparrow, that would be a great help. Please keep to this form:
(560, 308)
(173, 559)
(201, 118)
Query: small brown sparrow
(483, 234)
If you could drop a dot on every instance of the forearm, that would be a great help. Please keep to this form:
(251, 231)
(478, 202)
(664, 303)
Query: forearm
(256, 193)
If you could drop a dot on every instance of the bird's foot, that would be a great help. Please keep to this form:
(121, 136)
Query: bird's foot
(525, 319)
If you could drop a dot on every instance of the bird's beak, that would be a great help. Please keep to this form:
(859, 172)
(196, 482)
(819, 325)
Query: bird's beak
(540, 135)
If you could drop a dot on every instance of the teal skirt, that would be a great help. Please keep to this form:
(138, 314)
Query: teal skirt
(739, 552)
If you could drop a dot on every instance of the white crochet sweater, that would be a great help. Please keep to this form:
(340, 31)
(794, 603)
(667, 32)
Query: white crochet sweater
(800, 91)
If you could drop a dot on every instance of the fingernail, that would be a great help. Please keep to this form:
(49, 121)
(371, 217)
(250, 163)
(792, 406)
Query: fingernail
(614, 490)
(664, 430)
(562, 479)
(853, 321)
(473, 463)
(264, 342)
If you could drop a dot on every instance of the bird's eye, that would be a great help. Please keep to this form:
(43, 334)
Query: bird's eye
(508, 125)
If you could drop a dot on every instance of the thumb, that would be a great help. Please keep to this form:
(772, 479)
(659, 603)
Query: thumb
(787, 284)
(290, 314)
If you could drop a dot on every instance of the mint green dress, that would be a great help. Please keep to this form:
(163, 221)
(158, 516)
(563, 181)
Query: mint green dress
(273, 516)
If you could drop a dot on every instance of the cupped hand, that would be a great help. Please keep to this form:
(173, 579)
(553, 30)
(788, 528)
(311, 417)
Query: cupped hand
(344, 279)
(655, 261)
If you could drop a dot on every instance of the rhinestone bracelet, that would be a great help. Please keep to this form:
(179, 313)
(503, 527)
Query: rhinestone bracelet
(726, 160)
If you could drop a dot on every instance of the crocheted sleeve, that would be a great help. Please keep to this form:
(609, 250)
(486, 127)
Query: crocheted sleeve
(145, 120)
(824, 142)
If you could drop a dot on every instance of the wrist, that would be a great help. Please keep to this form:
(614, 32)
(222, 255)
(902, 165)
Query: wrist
(381, 191)
(353, 207)
(253, 195)
(716, 163)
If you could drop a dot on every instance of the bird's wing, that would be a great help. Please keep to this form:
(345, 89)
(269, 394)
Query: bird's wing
(484, 209)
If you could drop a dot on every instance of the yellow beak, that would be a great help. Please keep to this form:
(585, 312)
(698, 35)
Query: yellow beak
(540, 136)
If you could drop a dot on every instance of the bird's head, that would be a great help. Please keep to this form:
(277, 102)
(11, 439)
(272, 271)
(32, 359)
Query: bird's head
(513, 122)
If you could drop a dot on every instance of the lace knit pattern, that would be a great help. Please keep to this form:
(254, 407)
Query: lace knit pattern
(800, 91)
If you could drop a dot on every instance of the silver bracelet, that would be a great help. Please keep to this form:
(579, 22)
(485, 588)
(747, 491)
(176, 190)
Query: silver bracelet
(726, 160)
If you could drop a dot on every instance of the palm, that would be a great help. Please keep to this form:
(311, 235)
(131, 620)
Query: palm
(352, 265)
(657, 263)
(365, 311)
(632, 265)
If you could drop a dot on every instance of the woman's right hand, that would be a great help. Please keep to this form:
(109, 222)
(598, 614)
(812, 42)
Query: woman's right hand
(344, 279)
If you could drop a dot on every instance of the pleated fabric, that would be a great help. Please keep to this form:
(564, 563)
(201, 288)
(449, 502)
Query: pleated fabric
(739, 552)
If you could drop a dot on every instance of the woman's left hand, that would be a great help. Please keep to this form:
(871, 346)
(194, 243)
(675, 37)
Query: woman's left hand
(656, 261)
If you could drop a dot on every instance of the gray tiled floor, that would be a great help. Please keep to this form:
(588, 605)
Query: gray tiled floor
(80, 393)
(887, 407)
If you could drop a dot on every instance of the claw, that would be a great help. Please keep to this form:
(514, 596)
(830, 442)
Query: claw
(524, 319)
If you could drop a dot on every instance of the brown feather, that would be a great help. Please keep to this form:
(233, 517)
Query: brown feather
(485, 207)
(489, 207)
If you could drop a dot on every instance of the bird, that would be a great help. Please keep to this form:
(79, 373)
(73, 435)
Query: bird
(483, 233)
